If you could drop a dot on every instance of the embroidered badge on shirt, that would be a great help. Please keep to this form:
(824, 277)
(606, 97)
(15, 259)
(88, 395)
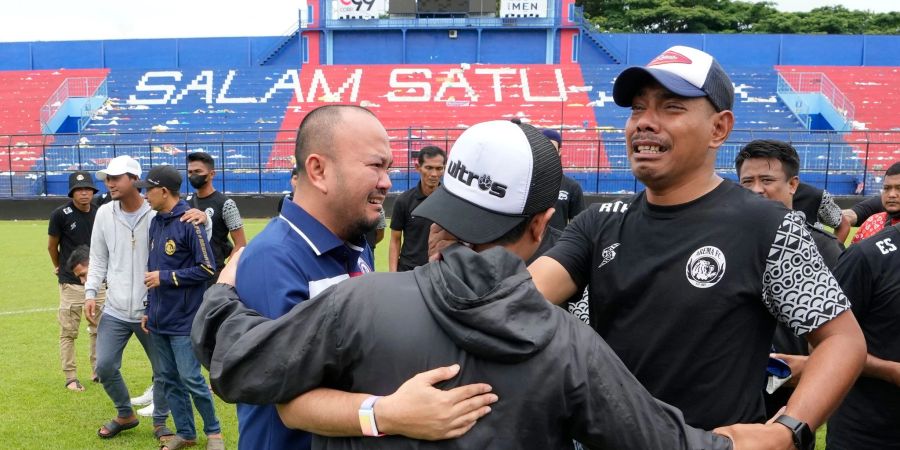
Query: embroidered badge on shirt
(705, 267)
(170, 247)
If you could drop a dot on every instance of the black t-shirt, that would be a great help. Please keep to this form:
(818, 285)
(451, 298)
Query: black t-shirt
(807, 199)
(225, 217)
(73, 228)
(818, 205)
(686, 294)
(288, 198)
(869, 272)
(101, 199)
(569, 203)
(414, 251)
(866, 209)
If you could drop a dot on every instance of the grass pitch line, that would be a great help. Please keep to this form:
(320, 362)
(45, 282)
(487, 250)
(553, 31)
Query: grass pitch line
(26, 311)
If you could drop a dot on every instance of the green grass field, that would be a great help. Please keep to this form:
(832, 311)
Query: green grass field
(37, 411)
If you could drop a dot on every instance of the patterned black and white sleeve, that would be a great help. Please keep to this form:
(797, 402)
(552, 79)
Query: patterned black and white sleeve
(798, 288)
(231, 215)
(582, 308)
(829, 211)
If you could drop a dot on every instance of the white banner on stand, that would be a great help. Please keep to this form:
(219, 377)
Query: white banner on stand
(523, 8)
(358, 9)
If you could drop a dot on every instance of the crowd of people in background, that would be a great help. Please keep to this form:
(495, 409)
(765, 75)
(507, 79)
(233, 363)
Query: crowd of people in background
(698, 313)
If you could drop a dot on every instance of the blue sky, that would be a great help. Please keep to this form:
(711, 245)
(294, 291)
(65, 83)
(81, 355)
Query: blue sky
(54, 20)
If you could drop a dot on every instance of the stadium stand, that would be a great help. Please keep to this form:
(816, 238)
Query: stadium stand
(441, 100)
(870, 89)
(22, 94)
(236, 115)
(427, 77)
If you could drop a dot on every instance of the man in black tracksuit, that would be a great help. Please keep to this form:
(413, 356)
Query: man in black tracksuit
(556, 379)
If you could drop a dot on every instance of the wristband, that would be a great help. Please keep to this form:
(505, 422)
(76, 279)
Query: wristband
(367, 417)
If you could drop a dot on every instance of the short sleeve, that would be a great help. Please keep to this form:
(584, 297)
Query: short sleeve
(866, 209)
(829, 211)
(573, 249)
(855, 277)
(231, 215)
(398, 216)
(798, 288)
(55, 228)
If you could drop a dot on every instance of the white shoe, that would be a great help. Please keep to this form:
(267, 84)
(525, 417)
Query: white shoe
(146, 411)
(145, 399)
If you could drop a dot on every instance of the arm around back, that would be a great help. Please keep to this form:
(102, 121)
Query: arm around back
(552, 279)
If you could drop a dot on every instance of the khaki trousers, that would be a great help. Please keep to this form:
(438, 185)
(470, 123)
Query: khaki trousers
(71, 306)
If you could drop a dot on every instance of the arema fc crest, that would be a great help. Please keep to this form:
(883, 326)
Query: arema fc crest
(705, 267)
(363, 266)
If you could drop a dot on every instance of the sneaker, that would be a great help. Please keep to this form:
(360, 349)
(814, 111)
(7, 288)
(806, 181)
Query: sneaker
(145, 399)
(146, 411)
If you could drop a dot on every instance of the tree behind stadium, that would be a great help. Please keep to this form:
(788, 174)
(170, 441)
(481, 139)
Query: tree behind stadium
(726, 16)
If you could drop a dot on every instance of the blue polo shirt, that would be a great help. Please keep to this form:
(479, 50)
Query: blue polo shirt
(293, 259)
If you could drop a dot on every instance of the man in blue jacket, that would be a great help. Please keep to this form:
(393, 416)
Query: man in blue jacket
(179, 265)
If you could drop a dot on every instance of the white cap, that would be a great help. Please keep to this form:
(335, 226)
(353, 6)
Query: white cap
(120, 165)
(498, 174)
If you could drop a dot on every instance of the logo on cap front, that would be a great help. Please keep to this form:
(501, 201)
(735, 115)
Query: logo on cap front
(79, 177)
(459, 171)
(670, 57)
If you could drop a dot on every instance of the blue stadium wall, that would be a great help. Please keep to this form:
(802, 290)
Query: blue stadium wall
(433, 46)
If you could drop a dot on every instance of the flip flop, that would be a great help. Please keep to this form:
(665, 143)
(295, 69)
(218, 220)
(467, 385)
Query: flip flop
(114, 428)
(78, 386)
(177, 443)
(163, 433)
(215, 443)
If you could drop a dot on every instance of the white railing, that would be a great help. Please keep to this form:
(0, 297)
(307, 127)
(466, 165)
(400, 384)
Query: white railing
(71, 87)
(818, 82)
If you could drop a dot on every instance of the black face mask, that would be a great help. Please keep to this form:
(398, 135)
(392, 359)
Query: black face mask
(197, 181)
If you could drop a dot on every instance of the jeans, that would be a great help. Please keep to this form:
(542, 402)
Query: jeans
(112, 336)
(180, 378)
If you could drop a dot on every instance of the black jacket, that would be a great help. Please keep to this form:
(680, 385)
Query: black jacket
(557, 380)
